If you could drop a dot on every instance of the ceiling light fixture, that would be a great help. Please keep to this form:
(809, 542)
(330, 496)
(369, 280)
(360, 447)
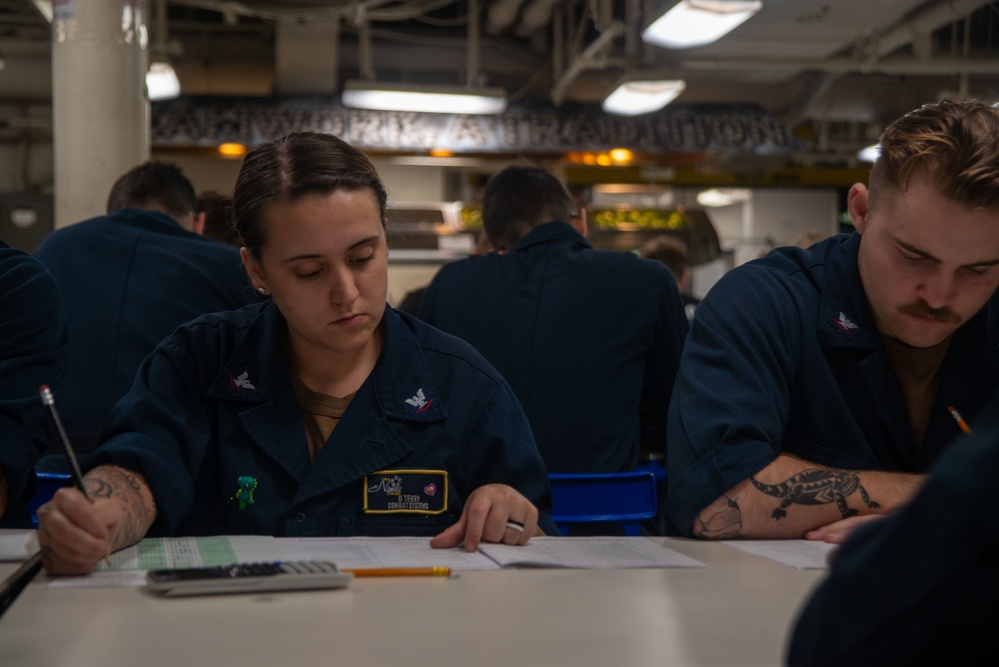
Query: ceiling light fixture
(428, 99)
(716, 197)
(161, 79)
(632, 98)
(697, 22)
(162, 82)
(869, 154)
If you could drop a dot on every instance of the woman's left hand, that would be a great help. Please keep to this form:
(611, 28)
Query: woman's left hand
(493, 513)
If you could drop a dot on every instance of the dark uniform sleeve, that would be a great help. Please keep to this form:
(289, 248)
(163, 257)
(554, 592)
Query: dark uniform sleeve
(920, 586)
(733, 391)
(502, 451)
(661, 366)
(33, 342)
(160, 429)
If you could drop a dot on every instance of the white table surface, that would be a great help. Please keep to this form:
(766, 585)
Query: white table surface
(737, 611)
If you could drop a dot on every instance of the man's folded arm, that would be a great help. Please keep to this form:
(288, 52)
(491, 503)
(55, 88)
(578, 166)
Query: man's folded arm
(791, 496)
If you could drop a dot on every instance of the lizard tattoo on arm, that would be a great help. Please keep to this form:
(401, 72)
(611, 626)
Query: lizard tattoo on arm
(816, 486)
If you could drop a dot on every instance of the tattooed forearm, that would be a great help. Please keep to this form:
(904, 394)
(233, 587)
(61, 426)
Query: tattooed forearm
(130, 491)
(97, 488)
(721, 520)
(816, 486)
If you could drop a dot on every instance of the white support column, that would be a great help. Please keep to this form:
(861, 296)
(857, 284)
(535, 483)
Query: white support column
(99, 106)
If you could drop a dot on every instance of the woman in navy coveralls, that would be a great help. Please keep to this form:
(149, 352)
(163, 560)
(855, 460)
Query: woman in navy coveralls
(318, 412)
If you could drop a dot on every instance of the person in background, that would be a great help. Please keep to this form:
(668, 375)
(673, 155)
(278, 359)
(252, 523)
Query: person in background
(128, 279)
(217, 209)
(672, 252)
(412, 299)
(817, 385)
(589, 339)
(33, 342)
(320, 412)
(915, 588)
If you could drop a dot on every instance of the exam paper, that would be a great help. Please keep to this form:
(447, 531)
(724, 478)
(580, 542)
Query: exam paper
(128, 565)
(17, 544)
(102, 580)
(588, 552)
(800, 554)
(350, 553)
(160, 553)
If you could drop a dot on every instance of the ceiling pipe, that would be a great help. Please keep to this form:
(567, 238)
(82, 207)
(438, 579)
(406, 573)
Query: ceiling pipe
(558, 40)
(925, 21)
(501, 14)
(364, 54)
(817, 85)
(536, 15)
(586, 60)
(916, 30)
(472, 80)
(159, 49)
(632, 41)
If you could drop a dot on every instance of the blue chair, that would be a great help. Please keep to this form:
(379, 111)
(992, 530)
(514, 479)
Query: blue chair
(48, 484)
(656, 467)
(627, 499)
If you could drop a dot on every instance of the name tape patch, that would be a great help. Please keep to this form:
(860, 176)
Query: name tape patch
(405, 492)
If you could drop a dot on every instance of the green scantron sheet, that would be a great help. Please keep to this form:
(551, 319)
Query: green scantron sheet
(156, 553)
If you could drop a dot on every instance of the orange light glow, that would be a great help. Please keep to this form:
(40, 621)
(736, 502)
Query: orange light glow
(621, 155)
(232, 150)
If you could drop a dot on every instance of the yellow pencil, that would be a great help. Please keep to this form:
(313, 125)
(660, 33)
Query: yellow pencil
(401, 572)
(960, 420)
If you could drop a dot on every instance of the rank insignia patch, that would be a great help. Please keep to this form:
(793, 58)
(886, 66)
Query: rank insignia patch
(405, 492)
(844, 324)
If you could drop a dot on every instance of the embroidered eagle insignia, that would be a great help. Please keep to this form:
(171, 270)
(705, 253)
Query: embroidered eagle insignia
(420, 401)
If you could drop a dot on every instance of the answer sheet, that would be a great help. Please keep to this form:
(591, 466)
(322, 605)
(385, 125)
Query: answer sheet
(800, 554)
(588, 552)
(378, 552)
(16, 545)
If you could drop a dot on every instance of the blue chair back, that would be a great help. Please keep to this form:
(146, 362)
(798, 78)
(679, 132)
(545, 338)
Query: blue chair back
(656, 467)
(625, 498)
(48, 484)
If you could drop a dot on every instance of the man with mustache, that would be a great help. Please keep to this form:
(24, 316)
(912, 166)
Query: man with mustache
(818, 385)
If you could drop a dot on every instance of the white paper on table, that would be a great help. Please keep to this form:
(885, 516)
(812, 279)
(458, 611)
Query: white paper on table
(588, 552)
(102, 580)
(350, 553)
(17, 544)
(800, 554)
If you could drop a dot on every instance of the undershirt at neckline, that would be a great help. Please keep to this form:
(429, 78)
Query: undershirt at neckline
(917, 370)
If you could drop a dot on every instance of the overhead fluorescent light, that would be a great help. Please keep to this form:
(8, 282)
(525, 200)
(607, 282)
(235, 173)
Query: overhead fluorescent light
(429, 99)
(869, 154)
(162, 82)
(717, 197)
(633, 98)
(697, 22)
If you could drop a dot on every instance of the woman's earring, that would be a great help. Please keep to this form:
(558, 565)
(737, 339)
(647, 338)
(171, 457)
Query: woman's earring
(262, 290)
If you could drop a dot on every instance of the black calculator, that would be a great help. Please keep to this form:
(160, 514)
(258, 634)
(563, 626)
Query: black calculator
(247, 578)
